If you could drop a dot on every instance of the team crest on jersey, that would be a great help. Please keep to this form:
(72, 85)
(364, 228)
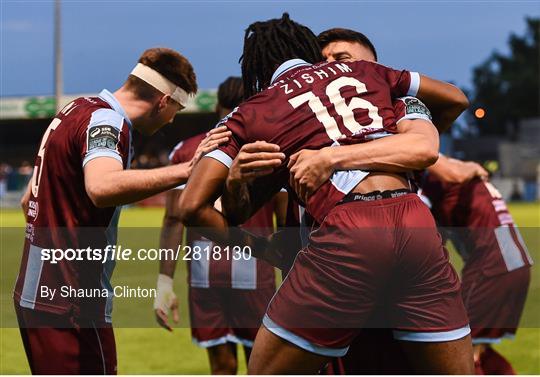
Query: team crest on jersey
(103, 136)
(415, 106)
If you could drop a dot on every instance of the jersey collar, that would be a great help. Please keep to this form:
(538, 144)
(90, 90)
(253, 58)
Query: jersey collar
(287, 66)
(108, 97)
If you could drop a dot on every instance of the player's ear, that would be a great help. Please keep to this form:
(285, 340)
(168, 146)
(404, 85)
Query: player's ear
(163, 102)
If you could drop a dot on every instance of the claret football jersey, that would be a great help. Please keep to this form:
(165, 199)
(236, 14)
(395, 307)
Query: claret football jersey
(62, 216)
(315, 106)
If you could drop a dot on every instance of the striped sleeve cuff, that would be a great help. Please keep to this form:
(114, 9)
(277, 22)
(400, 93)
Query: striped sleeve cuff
(415, 84)
(221, 157)
(101, 153)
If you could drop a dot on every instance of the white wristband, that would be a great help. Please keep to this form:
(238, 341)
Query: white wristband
(165, 295)
(164, 282)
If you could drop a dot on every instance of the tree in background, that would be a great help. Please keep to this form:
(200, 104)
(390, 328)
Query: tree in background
(508, 87)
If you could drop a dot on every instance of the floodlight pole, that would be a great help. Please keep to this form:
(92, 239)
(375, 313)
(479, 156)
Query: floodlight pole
(58, 82)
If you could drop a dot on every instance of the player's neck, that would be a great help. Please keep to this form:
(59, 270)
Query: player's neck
(135, 108)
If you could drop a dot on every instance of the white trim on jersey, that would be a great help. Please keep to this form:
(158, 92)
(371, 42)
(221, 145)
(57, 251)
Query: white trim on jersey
(286, 66)
(523, 246)
(102, 153)
(32, 276)
(176, 147)
(439, 336)
(509, 250)
(244, 273)
(301, 342)
(415, 84)
(108, 97)
(104, 117)
(346, 180)
(200, 269)
(221, 157)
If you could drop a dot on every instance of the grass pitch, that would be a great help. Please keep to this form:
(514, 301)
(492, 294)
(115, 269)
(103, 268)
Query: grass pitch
(152, 350)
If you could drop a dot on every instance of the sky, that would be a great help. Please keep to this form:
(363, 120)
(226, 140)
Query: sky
(102, 40)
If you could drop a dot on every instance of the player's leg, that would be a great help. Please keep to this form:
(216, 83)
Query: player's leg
(223, 359)
(492, 362)
(494, 304)
(274, 355)
(66, 349)
(97, 349)
(210, 329)
(329, 293)
(453, 357)
(427, 309)
(245, 311)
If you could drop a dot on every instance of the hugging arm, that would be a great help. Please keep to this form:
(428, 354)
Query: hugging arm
(446, 101)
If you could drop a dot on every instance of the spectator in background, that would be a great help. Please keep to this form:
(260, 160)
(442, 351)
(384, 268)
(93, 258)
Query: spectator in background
(5, 171)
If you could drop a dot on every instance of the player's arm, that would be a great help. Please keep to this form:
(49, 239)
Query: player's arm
(446, 101)
(281, 199)
(108, 184)
(170, 238)
(455, 171)
(197, 205)
(241, 197)
(25, 199)
(414, 147)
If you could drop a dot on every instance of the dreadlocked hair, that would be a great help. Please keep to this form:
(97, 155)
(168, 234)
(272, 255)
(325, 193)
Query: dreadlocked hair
(268, 44)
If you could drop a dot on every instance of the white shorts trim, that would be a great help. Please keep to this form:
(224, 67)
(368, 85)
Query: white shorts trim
(235, 339)
(440, 336)
(301, 342)
(211, 342)
(493, 340)
(229, 338)
(221, 157)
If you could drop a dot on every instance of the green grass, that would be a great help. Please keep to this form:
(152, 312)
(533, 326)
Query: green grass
(143, 348)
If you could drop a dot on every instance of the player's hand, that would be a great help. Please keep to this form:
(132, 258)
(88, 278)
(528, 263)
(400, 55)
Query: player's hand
(282, 248)
(254, 160)
(214, 138)
(309, 169)
(165, 301)
(467, 170)
(279, 249)
(477, 170)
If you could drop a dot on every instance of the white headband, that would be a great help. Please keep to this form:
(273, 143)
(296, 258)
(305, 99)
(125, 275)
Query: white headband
(161, 83)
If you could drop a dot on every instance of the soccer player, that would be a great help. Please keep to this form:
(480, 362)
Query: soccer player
(341, 276)
(227, 295)
(496, 272)
(80, 180)
(460, 197)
